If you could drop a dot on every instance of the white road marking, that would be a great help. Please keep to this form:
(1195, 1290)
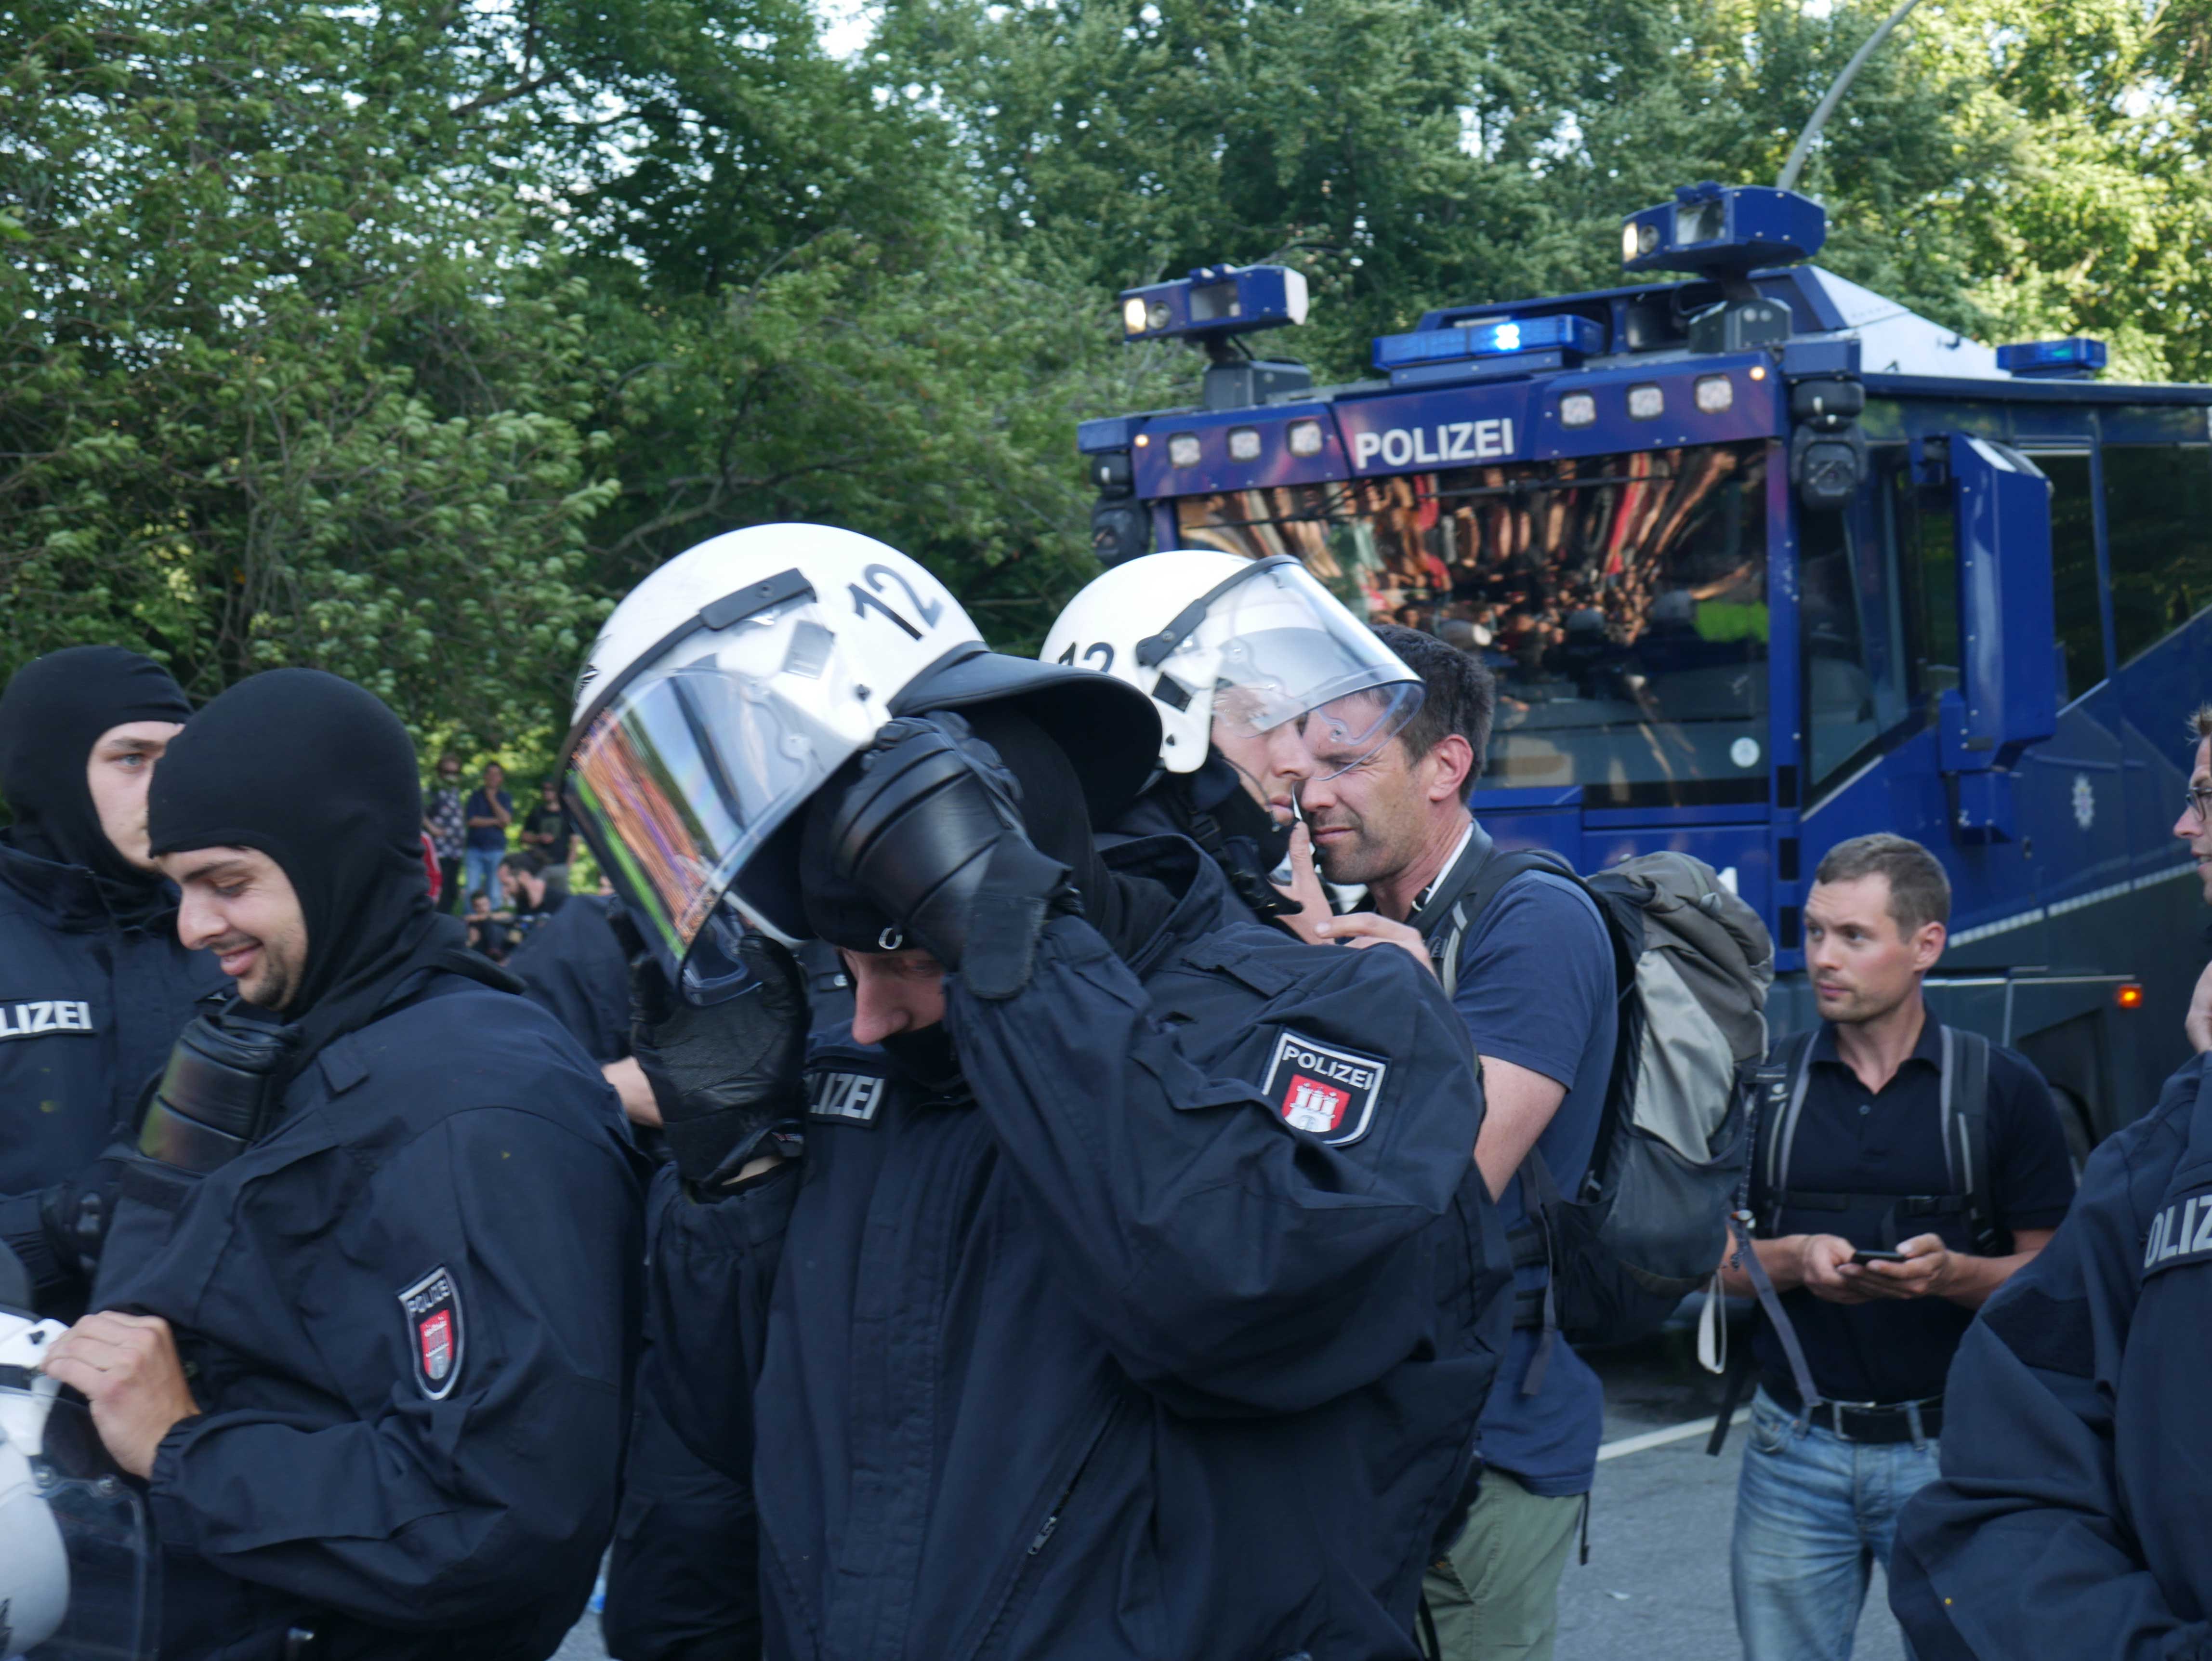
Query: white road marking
(1659, 1438)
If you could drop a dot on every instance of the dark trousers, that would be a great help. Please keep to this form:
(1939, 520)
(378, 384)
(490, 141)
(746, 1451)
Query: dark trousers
(449, 884)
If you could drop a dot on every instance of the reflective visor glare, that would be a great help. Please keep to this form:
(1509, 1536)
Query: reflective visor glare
(1342, 733)
(677, 785)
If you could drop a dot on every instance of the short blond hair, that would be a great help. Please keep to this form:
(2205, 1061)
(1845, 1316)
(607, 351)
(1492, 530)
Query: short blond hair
(2200, 724)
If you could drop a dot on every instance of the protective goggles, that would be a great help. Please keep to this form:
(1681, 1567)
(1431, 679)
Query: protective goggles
(1278, 650)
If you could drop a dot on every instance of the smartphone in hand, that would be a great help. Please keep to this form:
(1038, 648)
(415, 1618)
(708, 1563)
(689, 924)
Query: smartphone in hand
(1862, 1258)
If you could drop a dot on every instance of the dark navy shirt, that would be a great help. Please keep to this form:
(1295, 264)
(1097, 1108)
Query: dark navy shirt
(479, 806)
(1851, 1140)
(1536, 989)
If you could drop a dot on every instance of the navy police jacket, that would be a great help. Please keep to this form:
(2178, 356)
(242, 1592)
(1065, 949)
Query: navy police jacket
(2070, 1520)
(1167, 1335)
(408, 1315)
(89, 1005)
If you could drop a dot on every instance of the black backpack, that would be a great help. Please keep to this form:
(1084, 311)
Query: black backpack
(1693, 963)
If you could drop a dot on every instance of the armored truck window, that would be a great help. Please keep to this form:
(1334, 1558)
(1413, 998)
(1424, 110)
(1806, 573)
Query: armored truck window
(2157, 522)
(1624, 596)
(1852, 639)
(1920, 526)
(2075, 588)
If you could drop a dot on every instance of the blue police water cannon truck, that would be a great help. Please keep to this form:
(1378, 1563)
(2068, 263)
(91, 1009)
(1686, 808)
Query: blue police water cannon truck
(1764, 561)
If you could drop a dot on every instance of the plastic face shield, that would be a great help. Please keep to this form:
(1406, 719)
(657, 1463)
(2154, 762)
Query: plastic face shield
(76, 1563)
(1298, 684)
(691, 764)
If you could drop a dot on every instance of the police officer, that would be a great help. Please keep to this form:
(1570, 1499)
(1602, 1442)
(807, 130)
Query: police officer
(366, 1308)
(93, 985)
(2069, 1518)
(1240, 658)
(1120, 1282)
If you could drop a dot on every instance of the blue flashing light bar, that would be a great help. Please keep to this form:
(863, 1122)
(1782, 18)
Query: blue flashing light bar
(1722, 230)
(1575, 337)
(1215, 301)
(2076, 358)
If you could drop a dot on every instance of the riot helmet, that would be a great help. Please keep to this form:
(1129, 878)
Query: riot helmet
(76, 1563)
(733, 683)
(1235, 653)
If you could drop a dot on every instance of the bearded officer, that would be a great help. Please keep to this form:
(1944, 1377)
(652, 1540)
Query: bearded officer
(1058, 1335)
(366, 1304)
(93, 984)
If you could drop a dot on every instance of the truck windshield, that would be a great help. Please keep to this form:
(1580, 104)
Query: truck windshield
(1620, 600)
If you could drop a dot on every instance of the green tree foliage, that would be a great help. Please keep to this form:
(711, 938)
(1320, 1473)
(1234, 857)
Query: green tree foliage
(400, 338)
(270, 391)
(1413, 153)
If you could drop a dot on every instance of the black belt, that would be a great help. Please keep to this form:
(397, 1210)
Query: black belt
(1885, 1422)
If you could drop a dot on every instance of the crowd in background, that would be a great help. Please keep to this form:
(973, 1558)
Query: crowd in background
(501, 875)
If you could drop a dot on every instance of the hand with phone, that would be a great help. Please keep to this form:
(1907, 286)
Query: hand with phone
(1920, 1267)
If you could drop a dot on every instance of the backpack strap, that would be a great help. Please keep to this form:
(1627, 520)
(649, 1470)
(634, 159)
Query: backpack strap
(1966, 1113)
(1792, 1061)
(1778, 1132)
(1539, 1195)
(1449, 931)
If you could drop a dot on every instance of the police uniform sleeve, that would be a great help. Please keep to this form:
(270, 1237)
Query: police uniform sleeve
(572, 967)
(713, 1264)
(1234, 1264)
(484, 1348)
(2025, 1548)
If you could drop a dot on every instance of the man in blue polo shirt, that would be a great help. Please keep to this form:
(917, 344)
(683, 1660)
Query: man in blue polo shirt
(1536, 988)
(1861, 1162)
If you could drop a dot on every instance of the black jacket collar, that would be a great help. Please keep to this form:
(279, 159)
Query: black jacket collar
(1203, 900)
(81, 901)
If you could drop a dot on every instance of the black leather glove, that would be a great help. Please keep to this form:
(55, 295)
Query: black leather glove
(724, 1076)
(931, 832)
(76, 1223)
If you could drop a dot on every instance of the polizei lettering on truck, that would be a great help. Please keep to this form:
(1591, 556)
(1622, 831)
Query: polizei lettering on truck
(1435, 446)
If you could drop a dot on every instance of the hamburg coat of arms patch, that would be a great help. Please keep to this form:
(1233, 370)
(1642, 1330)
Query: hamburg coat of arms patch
(433, 1306)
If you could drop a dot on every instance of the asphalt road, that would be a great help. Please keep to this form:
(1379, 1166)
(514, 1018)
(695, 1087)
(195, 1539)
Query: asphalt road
(1657, 1585)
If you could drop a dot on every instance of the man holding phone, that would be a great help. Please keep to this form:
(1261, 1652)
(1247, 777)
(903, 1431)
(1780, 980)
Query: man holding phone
(1905, 1169)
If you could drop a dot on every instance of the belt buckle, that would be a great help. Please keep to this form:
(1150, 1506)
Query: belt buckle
(1839, 1409)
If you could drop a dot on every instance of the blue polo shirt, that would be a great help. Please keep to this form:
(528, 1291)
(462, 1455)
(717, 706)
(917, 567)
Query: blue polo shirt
(1536, 989)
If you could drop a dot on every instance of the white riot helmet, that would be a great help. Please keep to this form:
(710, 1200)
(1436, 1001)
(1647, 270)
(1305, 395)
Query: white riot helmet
(76, 1557)
(729, 686)
(1229, 648)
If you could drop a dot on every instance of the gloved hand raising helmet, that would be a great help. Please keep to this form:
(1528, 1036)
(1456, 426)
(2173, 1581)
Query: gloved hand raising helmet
(931, 832)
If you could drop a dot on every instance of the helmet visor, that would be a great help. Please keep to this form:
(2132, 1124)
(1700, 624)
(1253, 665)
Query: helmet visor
(694, 763)
(76, 1561)
(1284, 655)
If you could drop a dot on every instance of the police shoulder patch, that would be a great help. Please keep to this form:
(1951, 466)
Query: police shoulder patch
(846, 1098)
(2180, 1234)
(433, 1308)
(1323, 1088)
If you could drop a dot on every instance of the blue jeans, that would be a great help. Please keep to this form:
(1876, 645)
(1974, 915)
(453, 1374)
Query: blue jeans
(482, 867)
(1813, 1514)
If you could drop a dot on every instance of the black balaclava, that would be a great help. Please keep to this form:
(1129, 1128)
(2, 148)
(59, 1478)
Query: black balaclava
(316, 773)
(53, 713)
(1126, 911)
